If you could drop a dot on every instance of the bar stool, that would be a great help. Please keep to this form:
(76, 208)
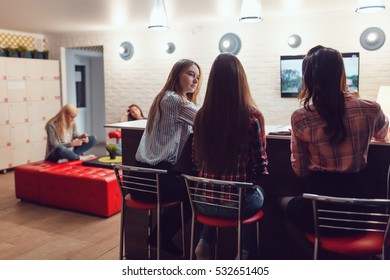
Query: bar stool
(224, 195)
(142, 181)
(364, 222)
(115, 135)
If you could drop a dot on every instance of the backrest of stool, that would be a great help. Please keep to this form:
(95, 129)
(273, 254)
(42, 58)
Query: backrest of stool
(217, 193)
(140, 182)
(350, 215)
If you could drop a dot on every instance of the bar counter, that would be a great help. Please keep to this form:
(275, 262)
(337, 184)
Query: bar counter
(282, 181)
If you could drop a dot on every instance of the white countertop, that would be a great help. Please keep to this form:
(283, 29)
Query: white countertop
(136, 125)
(141, 124)
(278, 130)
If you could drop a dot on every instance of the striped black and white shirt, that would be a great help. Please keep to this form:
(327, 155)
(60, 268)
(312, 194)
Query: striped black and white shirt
(166, 141)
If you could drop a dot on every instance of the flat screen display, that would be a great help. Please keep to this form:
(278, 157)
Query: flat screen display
(291, 73)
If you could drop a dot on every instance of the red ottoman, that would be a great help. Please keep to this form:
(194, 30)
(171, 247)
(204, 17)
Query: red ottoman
(27, 179)
(80, 188)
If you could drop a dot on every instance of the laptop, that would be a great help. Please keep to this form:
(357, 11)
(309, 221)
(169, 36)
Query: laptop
(384, 99)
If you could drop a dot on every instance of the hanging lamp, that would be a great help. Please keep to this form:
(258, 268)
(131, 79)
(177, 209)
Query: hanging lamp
(251, 11)
(370, 6)
(158, 17)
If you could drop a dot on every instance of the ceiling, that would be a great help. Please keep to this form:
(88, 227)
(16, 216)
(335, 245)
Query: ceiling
(60, 16)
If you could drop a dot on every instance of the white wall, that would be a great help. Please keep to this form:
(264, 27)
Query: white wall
(138, 80)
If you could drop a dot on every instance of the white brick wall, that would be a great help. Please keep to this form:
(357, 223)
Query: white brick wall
(138, 80)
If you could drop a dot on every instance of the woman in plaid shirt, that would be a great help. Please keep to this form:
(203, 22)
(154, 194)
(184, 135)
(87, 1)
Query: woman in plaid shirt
(330, 134)
(229, 143)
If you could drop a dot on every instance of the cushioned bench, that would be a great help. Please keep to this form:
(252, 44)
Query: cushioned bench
(27, 179)
(69, 185)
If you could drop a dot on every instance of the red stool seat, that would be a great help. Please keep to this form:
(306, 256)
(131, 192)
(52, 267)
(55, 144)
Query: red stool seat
(362, 244)
(137, 204)
(223, 222)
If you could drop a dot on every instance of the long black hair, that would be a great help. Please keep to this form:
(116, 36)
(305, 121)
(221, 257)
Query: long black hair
(324, 83)
(221, 125)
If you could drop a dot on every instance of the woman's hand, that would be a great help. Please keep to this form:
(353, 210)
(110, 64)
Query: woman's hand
(84, 137)
(76, 142)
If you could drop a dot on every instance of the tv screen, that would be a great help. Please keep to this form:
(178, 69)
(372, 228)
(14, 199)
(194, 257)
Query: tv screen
(291, 73)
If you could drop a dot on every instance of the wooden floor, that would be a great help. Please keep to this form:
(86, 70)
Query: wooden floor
(32, 232)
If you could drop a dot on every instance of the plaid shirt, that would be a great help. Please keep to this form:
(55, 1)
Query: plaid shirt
(312, 150)
(251, 166)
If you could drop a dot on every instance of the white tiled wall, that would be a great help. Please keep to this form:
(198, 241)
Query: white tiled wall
(138, 80)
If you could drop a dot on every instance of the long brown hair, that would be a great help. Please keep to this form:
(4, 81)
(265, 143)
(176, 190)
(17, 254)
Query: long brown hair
(61, 126)
(221, 125)
(130, 116)
(324, 83)
(173, 84)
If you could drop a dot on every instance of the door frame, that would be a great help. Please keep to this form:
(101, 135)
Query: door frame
(91, 119)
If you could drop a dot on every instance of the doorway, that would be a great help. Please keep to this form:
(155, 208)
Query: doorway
(82, 73)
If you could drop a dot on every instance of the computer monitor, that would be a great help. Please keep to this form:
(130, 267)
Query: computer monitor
(291, 73)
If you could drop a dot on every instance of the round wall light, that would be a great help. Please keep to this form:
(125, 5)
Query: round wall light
(170, 47)
(372, 38)
(126, 50)
(230, 43)
(294, 41)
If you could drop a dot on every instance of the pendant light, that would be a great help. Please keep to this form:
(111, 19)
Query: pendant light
(251, 11)
(158, 17)
(370, 6)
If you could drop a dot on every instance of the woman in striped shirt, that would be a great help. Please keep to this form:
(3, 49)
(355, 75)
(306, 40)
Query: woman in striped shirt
(168, 128)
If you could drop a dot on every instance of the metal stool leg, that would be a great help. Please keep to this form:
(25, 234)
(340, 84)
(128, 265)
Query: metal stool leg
(258, 238)
(122, 232)
(239, 251)
(158, 232)
(149, 231)
(182, 229)
(192, 237)
(216, 243)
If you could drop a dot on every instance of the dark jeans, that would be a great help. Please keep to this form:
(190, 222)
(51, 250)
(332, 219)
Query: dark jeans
(300, 210)
(62, 152)
(252, 204)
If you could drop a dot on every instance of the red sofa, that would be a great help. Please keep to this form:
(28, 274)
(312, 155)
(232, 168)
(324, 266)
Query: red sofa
(70, 186)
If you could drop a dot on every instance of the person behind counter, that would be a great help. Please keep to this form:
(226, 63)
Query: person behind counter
(132, 113)
(330, 134)
(168, 128)
(241, 156)
(63, 140)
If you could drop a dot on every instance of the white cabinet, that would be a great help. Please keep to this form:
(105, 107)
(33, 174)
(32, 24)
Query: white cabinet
(29, 96)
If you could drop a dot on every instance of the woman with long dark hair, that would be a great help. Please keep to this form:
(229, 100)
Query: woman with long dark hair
(229, 143)
(330, 134)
